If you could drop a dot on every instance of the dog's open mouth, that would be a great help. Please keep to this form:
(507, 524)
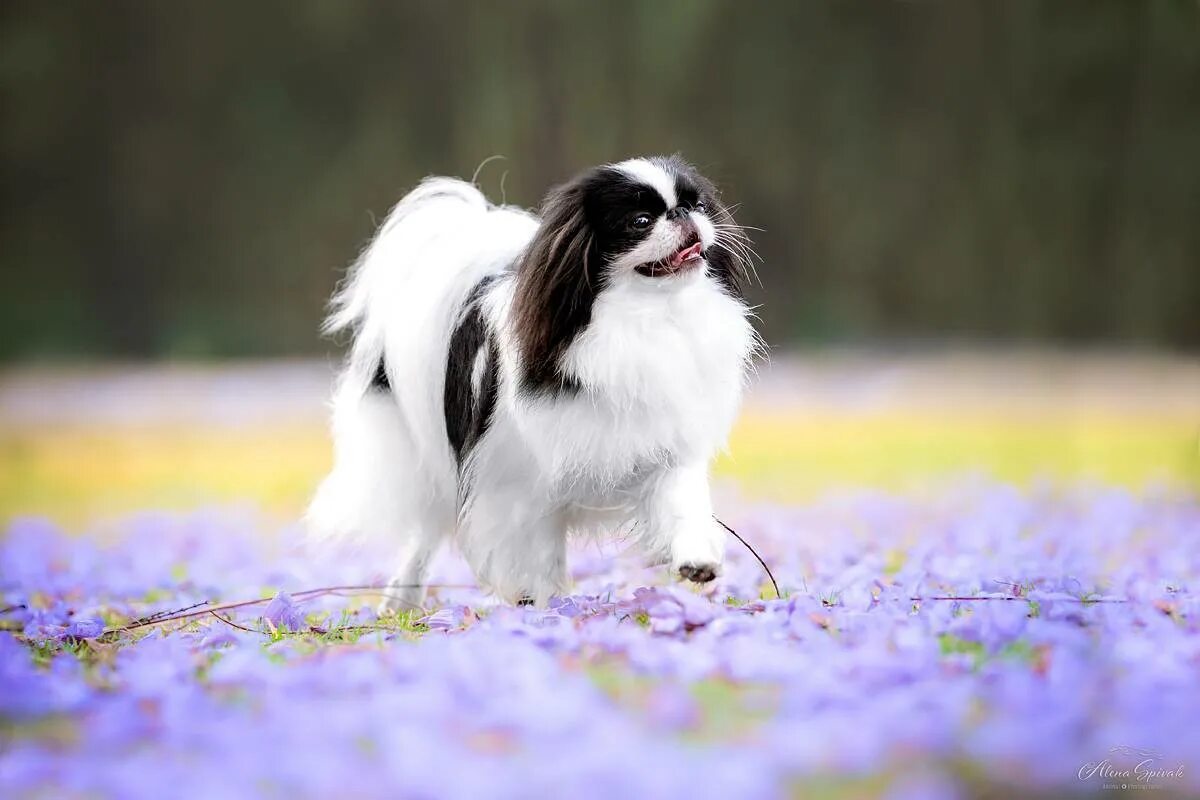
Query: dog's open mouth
(683, 259)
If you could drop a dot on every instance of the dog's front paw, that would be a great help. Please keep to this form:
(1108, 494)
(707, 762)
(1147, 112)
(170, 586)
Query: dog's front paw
(699, 573)
(697, 553)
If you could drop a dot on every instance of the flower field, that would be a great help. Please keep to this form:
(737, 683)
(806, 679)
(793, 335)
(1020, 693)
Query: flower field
(971, 637)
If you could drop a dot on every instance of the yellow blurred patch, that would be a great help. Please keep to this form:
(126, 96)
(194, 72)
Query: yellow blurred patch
(791, 456)
(78, 473)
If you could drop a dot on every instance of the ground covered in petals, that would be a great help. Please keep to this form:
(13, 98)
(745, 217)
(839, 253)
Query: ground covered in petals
(980, 640)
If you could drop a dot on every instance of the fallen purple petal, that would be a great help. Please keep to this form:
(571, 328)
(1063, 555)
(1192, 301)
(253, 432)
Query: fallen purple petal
(282, 612)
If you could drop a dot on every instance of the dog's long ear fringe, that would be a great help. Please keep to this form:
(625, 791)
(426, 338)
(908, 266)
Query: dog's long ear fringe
(557, 282)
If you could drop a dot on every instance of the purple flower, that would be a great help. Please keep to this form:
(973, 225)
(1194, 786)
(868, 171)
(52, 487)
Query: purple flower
(445, 619)
(283, 613)
(672, 610)
(220, 637)
(88, 628)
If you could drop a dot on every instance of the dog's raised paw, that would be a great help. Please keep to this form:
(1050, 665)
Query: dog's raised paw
(697, 573)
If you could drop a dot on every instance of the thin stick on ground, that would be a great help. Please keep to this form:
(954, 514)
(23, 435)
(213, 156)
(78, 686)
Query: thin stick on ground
(312, 629)
(160, 614)
(1083, 600)
(746, 544)
(306, 594)
(233, 624)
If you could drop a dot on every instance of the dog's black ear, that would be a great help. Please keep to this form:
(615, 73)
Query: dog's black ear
(558, 279)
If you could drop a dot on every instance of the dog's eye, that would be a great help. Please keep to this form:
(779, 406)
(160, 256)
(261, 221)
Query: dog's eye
(641, 221)
(700, 207)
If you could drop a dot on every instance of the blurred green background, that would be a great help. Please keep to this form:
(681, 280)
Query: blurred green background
(188, 179)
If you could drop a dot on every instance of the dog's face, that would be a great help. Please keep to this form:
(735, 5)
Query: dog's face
(656, 221)
(653, 217)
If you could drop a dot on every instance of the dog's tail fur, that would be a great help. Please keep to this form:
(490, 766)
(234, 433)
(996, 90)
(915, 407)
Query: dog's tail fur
(350, 302)
(394, 474)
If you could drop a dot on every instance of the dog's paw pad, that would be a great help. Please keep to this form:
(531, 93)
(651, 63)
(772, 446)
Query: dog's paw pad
(525, 600)
(698, 573)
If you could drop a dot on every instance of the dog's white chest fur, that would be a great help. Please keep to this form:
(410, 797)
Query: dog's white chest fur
(661, 373)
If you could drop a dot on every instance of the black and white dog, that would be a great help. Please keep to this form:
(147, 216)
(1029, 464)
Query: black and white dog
(515, 379)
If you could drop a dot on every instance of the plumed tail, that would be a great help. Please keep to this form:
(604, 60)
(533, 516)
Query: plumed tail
(350, 303)
(394, 475)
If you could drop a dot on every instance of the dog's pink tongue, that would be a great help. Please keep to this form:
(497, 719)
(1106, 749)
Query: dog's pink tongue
(687, 254)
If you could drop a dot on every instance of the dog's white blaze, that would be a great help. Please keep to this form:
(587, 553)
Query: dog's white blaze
(647, 172)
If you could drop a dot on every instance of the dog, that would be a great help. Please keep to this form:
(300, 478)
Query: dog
(515, 379)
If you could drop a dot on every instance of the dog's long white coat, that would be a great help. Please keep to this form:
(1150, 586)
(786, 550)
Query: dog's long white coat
(662, 365)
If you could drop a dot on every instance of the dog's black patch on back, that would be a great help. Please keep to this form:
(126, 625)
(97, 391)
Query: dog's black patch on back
(379, 381)
(485, 402)
(468, 409)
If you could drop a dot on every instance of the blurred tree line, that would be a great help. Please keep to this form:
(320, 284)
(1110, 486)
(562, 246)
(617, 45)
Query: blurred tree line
(190, 178)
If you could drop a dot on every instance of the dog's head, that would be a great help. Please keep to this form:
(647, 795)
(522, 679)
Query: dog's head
(655, 223)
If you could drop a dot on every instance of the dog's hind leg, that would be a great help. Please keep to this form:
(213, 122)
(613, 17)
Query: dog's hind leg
(406, 588)
(377, 494)
(517, 551)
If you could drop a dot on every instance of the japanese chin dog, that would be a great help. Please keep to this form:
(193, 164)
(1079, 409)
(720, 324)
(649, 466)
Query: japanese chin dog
(516, 379)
